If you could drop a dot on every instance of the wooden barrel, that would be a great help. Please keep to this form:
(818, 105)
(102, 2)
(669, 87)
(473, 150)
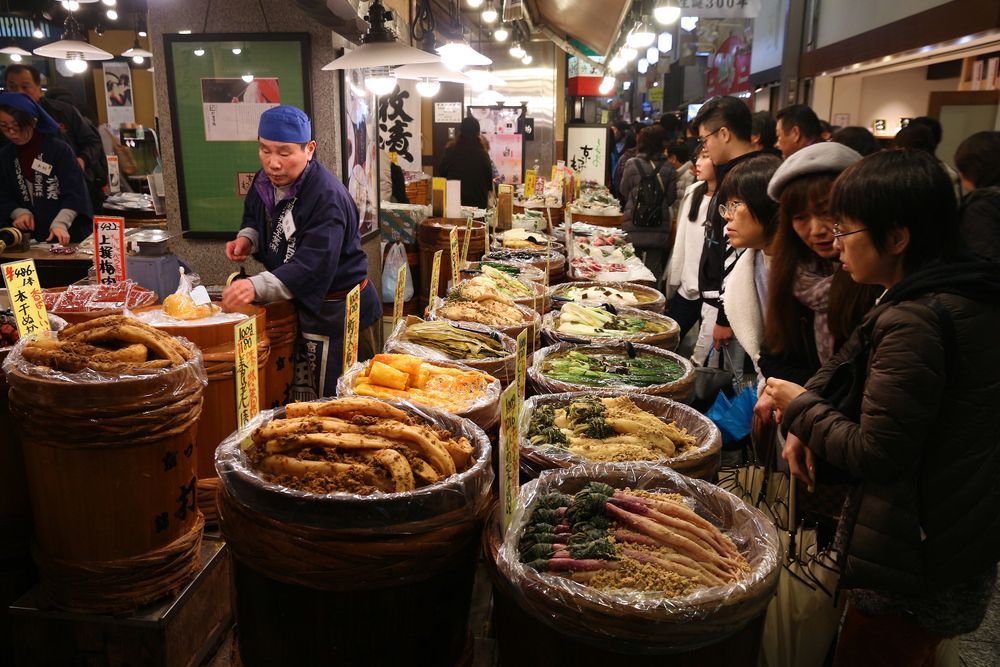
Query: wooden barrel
(110, 471)
(355, 580)
(218, 419)
(433, 234)
(282, 330)
(598, 220)
(555, 212)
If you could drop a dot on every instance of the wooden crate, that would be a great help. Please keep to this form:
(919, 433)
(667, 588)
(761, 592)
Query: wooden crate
(177, 632)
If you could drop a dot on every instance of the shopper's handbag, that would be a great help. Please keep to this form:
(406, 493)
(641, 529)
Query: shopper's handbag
(709, 381)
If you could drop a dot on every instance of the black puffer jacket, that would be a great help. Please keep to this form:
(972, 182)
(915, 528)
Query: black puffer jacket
(980, 222)
(926, 453)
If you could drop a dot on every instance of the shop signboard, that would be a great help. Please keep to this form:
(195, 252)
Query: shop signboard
(399, 126)
(583, 77)
(720, 9)
(587, 151)
(729, 67)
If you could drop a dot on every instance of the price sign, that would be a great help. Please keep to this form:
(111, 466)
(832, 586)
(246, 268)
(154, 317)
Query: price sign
(114, 175)
(552, 178)
(247, 381)
(353, 306)
(548, 263)
(438, 186)
(435, 279)
(26, 300)
(109, 249)
(530, 178)
(397, 306)
(453, 244)
(521, 366)
(509, 452)
(465, 241)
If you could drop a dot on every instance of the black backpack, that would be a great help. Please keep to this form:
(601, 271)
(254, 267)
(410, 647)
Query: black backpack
(648, 209)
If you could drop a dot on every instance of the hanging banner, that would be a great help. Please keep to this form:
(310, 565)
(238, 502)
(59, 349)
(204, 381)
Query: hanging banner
(587, 151)
(399, 126)
(502, 129)
(720, 9)
(728, 70)
(118, 95)
(109, 254)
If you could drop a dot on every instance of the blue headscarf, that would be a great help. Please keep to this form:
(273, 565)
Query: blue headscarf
(286, 124)
(22, 102)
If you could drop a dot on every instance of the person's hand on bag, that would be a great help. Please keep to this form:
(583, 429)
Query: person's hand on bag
(801, 461)
(782, 392)
(721, 336)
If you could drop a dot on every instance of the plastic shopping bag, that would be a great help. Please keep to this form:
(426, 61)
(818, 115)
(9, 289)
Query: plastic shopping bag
(734, 416)
(395, 259)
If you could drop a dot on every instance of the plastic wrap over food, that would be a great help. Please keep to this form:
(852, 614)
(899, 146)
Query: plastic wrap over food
(17, 364)
(525, 271)
(653, 300)
(157, 318)
(645, 621)
(701, 461)
(679, 389)
(666, 339)
(456, 499)
(484, 411)
(531, 322)
(502, 368)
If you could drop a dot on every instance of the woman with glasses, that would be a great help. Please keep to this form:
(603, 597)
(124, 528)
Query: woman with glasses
(42, 188)
(909, 410)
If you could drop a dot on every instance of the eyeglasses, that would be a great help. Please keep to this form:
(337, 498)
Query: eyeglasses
(9, 127)
(837, 234)
(702, 138)
(729, 209)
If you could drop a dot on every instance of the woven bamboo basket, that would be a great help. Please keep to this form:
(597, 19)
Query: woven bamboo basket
(650, 299)
(667, 339)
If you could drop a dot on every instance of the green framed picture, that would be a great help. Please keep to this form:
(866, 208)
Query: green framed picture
(219, 85)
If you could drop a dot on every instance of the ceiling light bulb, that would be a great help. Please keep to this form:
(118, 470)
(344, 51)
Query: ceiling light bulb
(186, 31)
(138, 60)
(76, 65)
(652, 55)
(501, 34)
(642, 66)
(247, 78)
(474, 4)
(629, 54)
(689, 23)
(380, 80)
(112, 15)
(607, 85)
(526, 60)
(199, 52)
(15, 57)
(666, 12)
(428, 87)
(516, 51)
(38, 34)
(237, 52)
(665, 42)
(110, 3)
(142, 33)
(490, 13)
(642, 36)
(617, 64)
(71, 5)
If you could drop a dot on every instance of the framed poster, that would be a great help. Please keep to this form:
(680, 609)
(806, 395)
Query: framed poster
(360, 151)
(218, 86)
(587, 152)
(502, 127)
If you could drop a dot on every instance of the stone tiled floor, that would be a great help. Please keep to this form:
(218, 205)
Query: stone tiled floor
(982, 647)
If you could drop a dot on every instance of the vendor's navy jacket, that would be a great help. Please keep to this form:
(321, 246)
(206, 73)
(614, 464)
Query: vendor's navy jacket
(45, 195)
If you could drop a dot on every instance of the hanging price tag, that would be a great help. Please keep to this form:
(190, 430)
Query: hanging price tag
(353, 306)
(397, 306)
(509, 452)
(109, 249)
(435, 280)
(453, 244)
(521, 363)
(465, 241)
(530, 178)
(26, 300)
(247, 381)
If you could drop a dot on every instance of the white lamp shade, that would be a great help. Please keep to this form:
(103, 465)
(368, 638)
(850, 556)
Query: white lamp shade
(70, 49)
(431, 71)
(456, 55)
(628, 54)
(15, 51)
(489, 96)
(652, 55)
(665, 42)
(642, 66)
(428, 87)
(667, 13)
(381, 54)
(689, 23)
(641, 38)
(607, 85)
(137, 51)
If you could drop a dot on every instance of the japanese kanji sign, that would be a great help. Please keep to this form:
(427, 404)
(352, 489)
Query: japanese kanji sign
(351, 329)
(510, 408)
(399, 125)
(247, 381)
(109, 249)
(26, 298)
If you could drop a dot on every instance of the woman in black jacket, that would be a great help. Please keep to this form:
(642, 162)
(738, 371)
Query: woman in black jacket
(978, 162)
(908, 409)
(466, 160)
(652, 241)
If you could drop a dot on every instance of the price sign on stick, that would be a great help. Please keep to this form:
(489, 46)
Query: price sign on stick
(453, 244)
(109, 249)
(521, 365)
(530, 178)
(435, 279)
(465, 242)
(353, 306)
(548, 263)
(548, 212)
(509, 454)
(397, 306)
(26, 300)
(247, 382)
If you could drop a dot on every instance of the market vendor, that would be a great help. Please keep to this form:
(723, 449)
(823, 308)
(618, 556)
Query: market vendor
(300, 222)
(42, 189)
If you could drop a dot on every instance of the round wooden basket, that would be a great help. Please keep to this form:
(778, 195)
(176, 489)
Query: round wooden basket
(434, 234)
(667, 339)
(532, 324)
(556, 213)
(615, 221)
(556, 262)
(525, 271)
(655, 301)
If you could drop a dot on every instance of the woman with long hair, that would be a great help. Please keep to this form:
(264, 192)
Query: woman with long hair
(466, 160)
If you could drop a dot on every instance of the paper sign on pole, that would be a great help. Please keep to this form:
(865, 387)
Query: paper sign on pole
(109, 249)
(397, 306)
(453, 199)
(26, 300)
(521, 364)
(509, 452)
(530, 177)
(465, 241)
(435, 279)
(114, 175)
(351, 328)
(247, 381)
(453, 245)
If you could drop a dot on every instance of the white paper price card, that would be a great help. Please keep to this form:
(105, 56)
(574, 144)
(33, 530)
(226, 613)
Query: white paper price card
(109, 249)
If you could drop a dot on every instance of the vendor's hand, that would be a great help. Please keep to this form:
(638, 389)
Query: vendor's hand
(721, 336)
(58, 234)
(801, 461)
(765, 409)
(782, 392)
(239, 249)
(25, 221)
(240, 293)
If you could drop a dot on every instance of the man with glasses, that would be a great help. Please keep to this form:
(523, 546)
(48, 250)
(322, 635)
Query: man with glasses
(723, 126)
